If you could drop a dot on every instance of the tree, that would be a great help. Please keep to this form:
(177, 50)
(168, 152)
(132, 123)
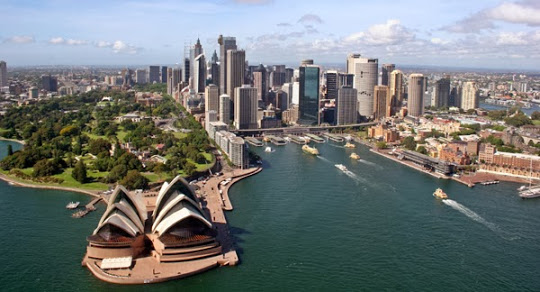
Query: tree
(518, 120)
(422, 150)
(99, 145)
(9, 150)
(117, 173)
(409, 143)
(46, 167)
(381, 145)
(134, 180)
(190, 168)
(535, 115)
(79, 172)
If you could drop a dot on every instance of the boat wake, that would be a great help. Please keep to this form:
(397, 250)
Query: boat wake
(474, 216)
(324, 159)
(334, 145)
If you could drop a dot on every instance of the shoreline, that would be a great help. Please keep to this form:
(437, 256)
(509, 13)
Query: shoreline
(14, 182)
(22, 142)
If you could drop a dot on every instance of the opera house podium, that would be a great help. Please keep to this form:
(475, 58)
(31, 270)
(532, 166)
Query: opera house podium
(135, 245)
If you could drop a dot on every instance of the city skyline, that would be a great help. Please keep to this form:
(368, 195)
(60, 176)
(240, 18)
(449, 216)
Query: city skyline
(482, 34)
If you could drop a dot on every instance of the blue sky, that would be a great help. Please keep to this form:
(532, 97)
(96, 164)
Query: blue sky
(471, 33)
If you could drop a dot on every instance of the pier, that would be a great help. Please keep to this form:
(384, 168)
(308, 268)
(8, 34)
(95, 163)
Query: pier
(315, 138)
(333, 137)
(276, 140)
(254, 141)
(297, 140)
(87, 209)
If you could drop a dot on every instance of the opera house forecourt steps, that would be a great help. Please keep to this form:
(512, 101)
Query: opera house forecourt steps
(137, 242)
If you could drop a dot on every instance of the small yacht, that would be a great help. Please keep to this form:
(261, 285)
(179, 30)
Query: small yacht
(268, 149)
(72, 205)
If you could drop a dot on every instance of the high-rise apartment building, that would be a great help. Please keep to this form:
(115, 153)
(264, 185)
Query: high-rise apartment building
(395, 92)
(386, 70)
(415, 102)
(194, 52)
(380, 103)
(236, 62)
(441, 93)
(309, 93)
(50, 83)
(365, 72)
(199, 74)
(211, 95)
(3, 74)
(153, 74)
(346, 106)
(164, 71)
(225, 44)
(469, 97)
(140, 76)
(225, 109)
(245, 107)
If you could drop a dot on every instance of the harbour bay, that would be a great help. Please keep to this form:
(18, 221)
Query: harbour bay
(302, 224)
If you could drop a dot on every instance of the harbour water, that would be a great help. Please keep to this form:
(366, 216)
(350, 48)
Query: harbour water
(302, 224)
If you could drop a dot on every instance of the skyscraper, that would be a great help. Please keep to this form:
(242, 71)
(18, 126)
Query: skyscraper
(380, 103)
(415, 102)
(441, 94)
(259, 82)
(365, 78)
(245, 107)
(164, 74)
(187, 71)
(194, 53)
(214, 70)
(236, 61)
(334, 81)
(225, 44)
(277, 77)
(346, 103)
(211, 95)
(174, 77)
(386, 69)
(3, 74)
(153, 74)
(140, 76)
(225, 109)
(469, 97)
(309, 93)
(395, 91)
(199, 73)
(49, 83)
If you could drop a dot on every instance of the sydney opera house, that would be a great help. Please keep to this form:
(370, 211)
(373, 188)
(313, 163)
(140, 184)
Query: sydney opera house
(139, 242)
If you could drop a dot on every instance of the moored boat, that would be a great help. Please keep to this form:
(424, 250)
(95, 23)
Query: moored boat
(72, 205)
(440, 194)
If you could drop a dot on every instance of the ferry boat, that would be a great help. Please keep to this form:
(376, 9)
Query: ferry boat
(341, 167)
(350, 145)
(72, 205)
(268, 149)
(310, 150)
(355, 156)
(439, 194)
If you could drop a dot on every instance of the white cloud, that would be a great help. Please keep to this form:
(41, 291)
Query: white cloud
(439, 41)
(56, 41)
(73, 42)
(20, 39)
(310, 18)
(389, 33)
(513, 39)
(521, 12)
(120, 47)
(103, 44)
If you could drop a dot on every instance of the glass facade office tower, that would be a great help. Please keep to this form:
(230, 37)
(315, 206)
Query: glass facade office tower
(309, 94)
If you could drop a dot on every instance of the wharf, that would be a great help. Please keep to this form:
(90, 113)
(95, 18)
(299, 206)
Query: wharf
(254, 141)
(315, 138)
(276, 140)
(410, 164)
(297, 140)
(333, 137)
(87, 209)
